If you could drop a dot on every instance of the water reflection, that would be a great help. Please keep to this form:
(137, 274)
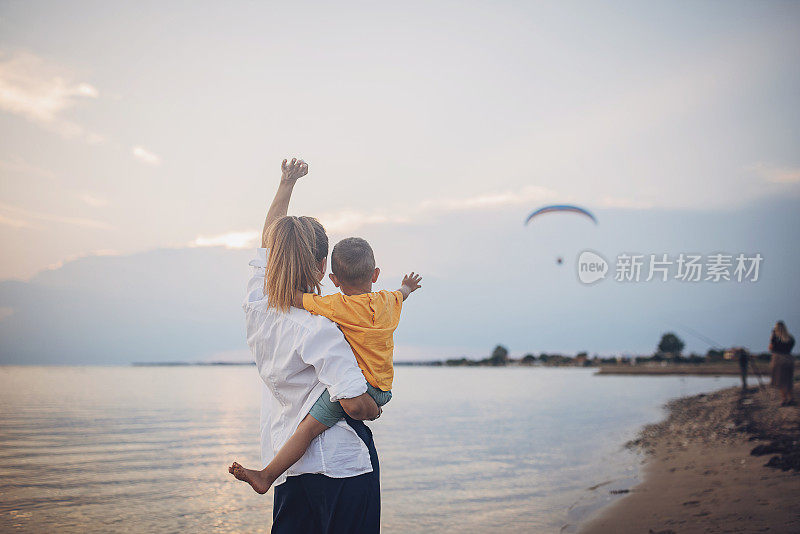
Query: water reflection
(100, 449)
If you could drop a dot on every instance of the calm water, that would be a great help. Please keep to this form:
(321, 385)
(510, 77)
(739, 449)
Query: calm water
(122, 449)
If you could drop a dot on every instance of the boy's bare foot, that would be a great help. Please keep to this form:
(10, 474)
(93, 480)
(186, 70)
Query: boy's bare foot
(260, 480)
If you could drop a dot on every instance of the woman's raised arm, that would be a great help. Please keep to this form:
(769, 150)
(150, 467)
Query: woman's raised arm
(290, 173)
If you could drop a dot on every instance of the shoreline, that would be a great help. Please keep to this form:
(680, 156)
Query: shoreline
(719, 462)
(723, 369)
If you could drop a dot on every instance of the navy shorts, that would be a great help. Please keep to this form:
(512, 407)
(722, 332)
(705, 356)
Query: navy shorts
(313, 503)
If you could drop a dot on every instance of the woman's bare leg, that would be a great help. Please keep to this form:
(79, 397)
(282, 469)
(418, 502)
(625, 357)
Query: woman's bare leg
(294, 449)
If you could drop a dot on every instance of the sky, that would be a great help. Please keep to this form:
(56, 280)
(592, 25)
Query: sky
(151, 134)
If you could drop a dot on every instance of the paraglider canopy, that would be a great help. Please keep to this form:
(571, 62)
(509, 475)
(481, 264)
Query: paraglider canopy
(560, 207)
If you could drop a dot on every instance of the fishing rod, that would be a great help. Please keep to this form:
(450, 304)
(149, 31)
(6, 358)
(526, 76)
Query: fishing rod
(714, 345)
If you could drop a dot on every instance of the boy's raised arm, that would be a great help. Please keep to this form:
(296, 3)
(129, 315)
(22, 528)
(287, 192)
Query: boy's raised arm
(411, 282)
(290, 173)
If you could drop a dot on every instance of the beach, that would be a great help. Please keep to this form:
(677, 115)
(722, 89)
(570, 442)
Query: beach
(723, 462)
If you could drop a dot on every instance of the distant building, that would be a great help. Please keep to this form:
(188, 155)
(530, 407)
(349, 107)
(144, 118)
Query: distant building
(732, 353)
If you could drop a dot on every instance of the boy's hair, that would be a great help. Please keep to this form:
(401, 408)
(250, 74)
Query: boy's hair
(292, 264)
(352, 261)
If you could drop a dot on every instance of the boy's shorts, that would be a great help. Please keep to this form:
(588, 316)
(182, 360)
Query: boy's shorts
(327, 412)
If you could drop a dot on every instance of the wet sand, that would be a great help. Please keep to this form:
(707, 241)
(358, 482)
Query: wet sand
(724, 462)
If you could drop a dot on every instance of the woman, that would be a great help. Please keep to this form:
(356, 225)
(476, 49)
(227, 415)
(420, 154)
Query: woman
(782, 365)
(334, 487)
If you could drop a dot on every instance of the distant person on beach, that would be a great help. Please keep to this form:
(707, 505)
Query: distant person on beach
(744, 359)
(335, 486)
(367, 321)
(782, 365)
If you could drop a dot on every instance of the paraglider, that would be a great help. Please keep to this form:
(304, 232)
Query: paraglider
(560, 207)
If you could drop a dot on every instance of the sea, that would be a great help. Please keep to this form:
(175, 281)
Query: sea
(146, 449)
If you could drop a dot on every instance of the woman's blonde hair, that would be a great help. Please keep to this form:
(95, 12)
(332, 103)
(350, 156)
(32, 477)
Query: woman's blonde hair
(780, 332)
(293, 263)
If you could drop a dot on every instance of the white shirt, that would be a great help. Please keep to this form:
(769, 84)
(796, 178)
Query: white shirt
(298, 355)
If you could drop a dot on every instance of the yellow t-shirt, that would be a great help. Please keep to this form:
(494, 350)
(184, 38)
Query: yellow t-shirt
(367, 322)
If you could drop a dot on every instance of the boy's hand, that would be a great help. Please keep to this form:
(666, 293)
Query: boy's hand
(412, 282)
(291, 172)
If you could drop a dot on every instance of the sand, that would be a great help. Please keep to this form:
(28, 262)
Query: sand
(700, 475)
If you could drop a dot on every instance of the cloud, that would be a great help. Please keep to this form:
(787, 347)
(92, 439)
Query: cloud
(348, 221)
(20, 217)
(84, 89)
(163, 324)
(92, 200)
(6, 312)
(624, 203)
(42, 92)
(17, 165)
(777, 175)
(233, 240)
(14, 223)
(342, 222)
(145, 155)
(94, 138)
(490, 200)
(75, 257)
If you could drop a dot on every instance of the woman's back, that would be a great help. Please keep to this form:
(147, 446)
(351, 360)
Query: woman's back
(782, 346)
(298, 355)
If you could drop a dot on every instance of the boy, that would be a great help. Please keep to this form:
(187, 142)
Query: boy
(367, 321)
